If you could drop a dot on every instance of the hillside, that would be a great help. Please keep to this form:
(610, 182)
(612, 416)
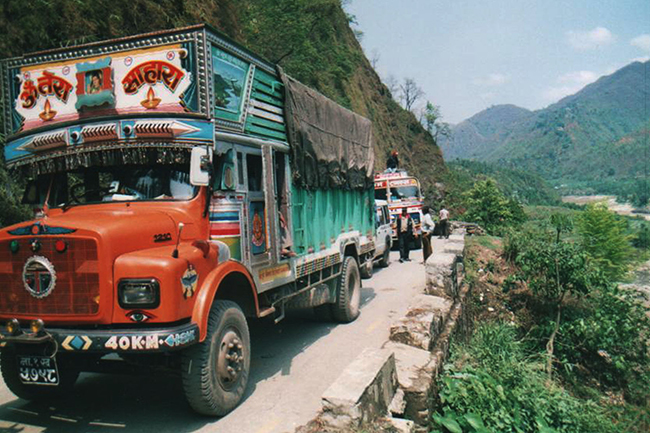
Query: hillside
(310, 39)
(594, 135)
(480, 134)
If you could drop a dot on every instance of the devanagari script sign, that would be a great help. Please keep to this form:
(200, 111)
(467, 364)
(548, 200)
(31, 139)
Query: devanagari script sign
(136, 81)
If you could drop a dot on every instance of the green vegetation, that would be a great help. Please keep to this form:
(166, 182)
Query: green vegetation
(487, 206)
(494, 385)
(575, 353)
(602, 234)
(527, 188)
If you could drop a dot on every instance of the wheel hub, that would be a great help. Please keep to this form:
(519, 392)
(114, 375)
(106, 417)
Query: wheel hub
(231, 359)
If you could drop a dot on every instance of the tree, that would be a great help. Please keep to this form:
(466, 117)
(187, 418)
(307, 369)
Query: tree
(374, 58)
(431, 118)
(393, 87)
(553, 271)
(487, 206)
(641, 193)
(411, 93)
(603, 236)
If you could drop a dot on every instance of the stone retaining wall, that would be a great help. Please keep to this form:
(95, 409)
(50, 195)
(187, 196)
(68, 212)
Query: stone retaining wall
(397, 382)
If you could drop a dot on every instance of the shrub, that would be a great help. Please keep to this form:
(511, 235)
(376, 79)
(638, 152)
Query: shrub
(603, 236)
(487, 206)
(493, 386)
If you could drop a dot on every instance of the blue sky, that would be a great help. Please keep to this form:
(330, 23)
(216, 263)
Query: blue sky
(470, 54)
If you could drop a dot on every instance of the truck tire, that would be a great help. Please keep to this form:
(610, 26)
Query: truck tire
(348, 292)
(366, 269)
(68, 375)
(215, 371)
(385, 258)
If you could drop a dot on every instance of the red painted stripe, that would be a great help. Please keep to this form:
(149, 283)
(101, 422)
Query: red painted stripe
(224, 229)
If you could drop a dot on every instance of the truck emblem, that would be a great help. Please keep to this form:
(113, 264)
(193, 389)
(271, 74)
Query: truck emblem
(39, 276)
(189, 281)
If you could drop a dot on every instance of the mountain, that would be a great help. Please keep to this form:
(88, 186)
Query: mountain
(596, 135)
(311, 40)
(477, 136)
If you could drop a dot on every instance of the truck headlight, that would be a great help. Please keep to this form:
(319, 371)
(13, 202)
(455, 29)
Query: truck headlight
(138, 293)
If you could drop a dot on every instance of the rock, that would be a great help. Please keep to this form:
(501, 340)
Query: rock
(401, 425)
(456, 248)
(397, 405)
(415, 372)
(422, 323)
(362, 392)
(440, 274)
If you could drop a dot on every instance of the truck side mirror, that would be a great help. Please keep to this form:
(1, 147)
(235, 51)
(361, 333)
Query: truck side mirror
(200, 166)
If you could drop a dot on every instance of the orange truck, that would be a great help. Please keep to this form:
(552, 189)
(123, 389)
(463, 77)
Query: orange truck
(181, 186)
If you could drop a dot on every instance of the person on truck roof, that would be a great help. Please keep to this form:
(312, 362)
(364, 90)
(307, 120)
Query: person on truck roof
(392, 162)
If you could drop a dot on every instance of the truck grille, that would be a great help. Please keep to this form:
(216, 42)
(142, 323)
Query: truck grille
(76, 291)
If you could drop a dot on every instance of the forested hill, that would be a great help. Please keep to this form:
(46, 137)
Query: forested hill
(594, 135)
(311, 39)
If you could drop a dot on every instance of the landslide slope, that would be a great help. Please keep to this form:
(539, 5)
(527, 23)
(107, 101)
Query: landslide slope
(596, 134)
(311, 39)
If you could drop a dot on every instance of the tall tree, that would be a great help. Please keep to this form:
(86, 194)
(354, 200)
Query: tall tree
(431, 118)
(411, 93)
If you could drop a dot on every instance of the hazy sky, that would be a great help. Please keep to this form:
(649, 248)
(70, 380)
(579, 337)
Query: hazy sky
(470, 54)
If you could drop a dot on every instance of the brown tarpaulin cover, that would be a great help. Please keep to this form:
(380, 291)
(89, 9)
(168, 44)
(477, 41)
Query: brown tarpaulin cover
(331, 147)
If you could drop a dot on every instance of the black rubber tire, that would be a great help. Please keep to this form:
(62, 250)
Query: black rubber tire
(68, 375)
(417, 243)
(205, 389)
(367, 269)
(348, 292)
(385, 258)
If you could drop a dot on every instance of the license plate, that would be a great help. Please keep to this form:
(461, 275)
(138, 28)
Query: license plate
(38, 370)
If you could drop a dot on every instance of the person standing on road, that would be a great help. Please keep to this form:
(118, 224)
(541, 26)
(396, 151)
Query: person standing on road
(404, 234)
(444, 223)
(427, 230)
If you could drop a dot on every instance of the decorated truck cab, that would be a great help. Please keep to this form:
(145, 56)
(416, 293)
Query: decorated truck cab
(401, 191)
(181, 185)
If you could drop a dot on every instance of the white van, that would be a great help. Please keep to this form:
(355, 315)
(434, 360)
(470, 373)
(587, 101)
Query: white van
(383, 239)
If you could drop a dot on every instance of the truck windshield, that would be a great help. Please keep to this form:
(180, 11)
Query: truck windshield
(110, 184)
(404, 192)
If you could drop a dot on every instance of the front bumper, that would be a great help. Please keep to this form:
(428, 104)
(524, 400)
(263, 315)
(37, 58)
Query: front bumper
(149, 340)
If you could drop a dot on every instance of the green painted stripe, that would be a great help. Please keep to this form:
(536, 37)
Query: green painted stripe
(268, 80)
(266, 98)
(264, 132)
(262, 87)
(258, 121)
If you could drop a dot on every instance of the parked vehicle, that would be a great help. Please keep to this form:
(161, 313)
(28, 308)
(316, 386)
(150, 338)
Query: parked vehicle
(401, 191)
(178, 190)
(383, 239)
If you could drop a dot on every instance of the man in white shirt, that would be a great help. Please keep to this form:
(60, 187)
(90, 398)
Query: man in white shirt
(427, 230)
(444, 223)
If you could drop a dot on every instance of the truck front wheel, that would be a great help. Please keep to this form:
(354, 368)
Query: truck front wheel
(348, 293)
(215, 371)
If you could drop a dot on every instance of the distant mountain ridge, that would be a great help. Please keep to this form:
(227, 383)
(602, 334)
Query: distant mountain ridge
(597, 133)
(480, 134)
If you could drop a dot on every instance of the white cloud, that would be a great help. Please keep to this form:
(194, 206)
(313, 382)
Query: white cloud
(492, 80)
(641, 41)
(589, 40)
(568, 84)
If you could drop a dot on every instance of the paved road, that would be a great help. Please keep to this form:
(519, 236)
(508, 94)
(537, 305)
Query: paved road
(292, 364)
